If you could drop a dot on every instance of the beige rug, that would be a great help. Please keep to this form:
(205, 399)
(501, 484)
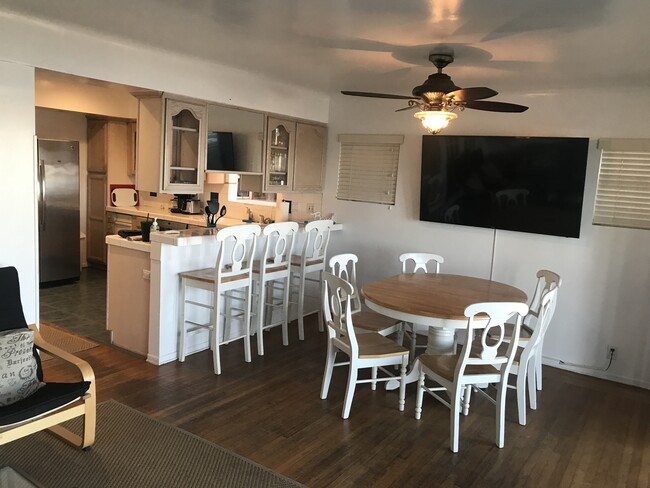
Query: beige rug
(63, 339)
(135, 450)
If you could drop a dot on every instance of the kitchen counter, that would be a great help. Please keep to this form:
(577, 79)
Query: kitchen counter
(157, 212)
(115, 240)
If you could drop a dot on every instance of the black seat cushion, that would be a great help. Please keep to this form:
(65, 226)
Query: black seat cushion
(11, 308)
(49, 397)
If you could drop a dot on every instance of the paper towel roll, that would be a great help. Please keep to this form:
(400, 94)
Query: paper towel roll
(282, 212)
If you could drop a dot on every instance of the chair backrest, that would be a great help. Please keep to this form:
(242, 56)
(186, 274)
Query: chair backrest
(317, 237)
(420, 261)
(344, 266)
(11, 308)
(337, 312)
(546, 280)
(546, 310)
(482, 346)
(237, 250)
(278, 247)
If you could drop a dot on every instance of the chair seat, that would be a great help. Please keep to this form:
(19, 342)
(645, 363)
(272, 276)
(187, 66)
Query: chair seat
(445, 366)
(524, 334)
(209, 275)
(376, 346)
(257, 267)
(297, 261)
(372, 321)
(49, 397)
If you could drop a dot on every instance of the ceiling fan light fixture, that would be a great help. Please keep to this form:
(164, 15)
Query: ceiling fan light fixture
(435, 120)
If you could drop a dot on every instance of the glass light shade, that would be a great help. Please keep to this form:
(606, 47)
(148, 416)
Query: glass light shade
(435, 120)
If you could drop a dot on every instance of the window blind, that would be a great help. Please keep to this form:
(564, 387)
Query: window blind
(368, 168)
(623, 191)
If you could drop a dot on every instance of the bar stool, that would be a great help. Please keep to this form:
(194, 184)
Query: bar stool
(311, 260)
(275, 269)
(231, 274)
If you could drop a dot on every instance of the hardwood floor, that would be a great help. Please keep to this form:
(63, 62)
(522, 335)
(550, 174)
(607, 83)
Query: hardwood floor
(586, 432)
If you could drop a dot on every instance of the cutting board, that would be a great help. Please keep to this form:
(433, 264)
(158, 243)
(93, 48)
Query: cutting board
(124, 196)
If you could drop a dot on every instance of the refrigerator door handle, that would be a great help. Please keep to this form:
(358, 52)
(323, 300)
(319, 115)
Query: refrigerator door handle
(42, 205)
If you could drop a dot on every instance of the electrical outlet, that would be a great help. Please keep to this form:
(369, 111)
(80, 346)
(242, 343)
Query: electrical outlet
(611, 352)
(310, 208)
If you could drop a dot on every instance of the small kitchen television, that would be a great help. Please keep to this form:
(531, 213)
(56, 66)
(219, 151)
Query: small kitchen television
(525, 184)
(221, 156)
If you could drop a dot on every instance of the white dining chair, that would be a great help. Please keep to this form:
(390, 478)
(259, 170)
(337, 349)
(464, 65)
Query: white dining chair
(344, 266)
(230, 277)
(415, 262)
(311, 260)
(272, 278)
(480, 362)
(364, 350)
(524, 363)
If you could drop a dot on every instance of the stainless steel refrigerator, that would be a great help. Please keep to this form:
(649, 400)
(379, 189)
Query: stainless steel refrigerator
(58, 210)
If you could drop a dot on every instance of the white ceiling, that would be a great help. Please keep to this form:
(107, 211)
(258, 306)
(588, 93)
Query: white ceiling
(383, 45)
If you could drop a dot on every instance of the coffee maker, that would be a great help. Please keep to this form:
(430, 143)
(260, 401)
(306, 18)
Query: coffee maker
(187, 204)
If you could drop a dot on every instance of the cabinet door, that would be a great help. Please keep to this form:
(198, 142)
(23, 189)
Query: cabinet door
(280, 144)
(185, 147)
(311, 141)
(149, 144)
(96, 220)
(131, 144)
(96, 130)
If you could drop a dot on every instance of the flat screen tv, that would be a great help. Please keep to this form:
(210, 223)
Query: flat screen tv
(526, 184)
(221, 156)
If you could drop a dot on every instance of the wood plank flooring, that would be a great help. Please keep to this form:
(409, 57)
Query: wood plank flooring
(585, 433)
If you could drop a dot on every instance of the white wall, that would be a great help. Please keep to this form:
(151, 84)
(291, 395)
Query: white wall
(68, 126)
(604, 298)
(18, 244)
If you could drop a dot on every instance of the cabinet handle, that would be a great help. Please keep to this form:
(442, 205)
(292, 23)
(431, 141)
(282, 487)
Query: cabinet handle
(42, 204)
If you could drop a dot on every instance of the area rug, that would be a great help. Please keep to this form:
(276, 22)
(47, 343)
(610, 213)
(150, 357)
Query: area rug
(135, 450)
(63, 339)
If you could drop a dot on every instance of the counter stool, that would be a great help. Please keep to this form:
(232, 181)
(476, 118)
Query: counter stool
(232, 277)
(311, 260)
(275, 269)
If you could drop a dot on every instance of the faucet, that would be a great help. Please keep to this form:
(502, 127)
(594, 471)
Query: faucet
(251, 217)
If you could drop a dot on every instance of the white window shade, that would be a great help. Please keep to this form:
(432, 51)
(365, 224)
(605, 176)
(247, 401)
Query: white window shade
(623, 193)
(368, 168)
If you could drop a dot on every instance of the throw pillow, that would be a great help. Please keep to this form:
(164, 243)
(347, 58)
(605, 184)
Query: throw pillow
(18, 377)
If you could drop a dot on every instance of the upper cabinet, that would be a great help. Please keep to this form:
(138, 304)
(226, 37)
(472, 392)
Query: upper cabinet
(171, 144)
(295, 156)
(185, 147)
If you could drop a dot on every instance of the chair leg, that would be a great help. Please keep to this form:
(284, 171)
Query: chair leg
(414, 341)
(301, 306)
(521, 392)
(400, 333)
(349, 393)
(454, 417)
(402, 383)
(419, 395)
(285, 312)
(181, 337)
(227, 322)
(247, 323)
(532, 390)
(538, 368)
(216, 337)
(502, 388)
(321, 323)
(373, 385)
(260, 317)
(327, 374)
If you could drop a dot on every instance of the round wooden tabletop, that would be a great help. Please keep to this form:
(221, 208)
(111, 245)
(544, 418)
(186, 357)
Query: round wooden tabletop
(439, 296)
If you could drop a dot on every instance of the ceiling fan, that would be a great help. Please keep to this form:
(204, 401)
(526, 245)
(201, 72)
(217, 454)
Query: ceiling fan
(438, 97)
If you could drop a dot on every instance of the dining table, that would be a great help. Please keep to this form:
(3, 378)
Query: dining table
(437, 301)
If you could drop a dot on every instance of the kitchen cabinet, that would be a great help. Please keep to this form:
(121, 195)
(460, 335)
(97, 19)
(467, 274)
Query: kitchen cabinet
(96, 221)
(131, 136)
(295, 156)
(171, 144)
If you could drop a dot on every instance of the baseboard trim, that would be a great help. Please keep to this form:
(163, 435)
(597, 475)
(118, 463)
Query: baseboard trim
(604, 375)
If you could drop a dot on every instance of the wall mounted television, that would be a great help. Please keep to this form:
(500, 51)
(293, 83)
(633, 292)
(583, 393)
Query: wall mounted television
(526, 184)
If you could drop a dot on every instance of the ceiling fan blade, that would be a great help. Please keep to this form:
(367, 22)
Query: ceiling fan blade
(379, 95)
(495, 106)
(474, 93)
(406, 108)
